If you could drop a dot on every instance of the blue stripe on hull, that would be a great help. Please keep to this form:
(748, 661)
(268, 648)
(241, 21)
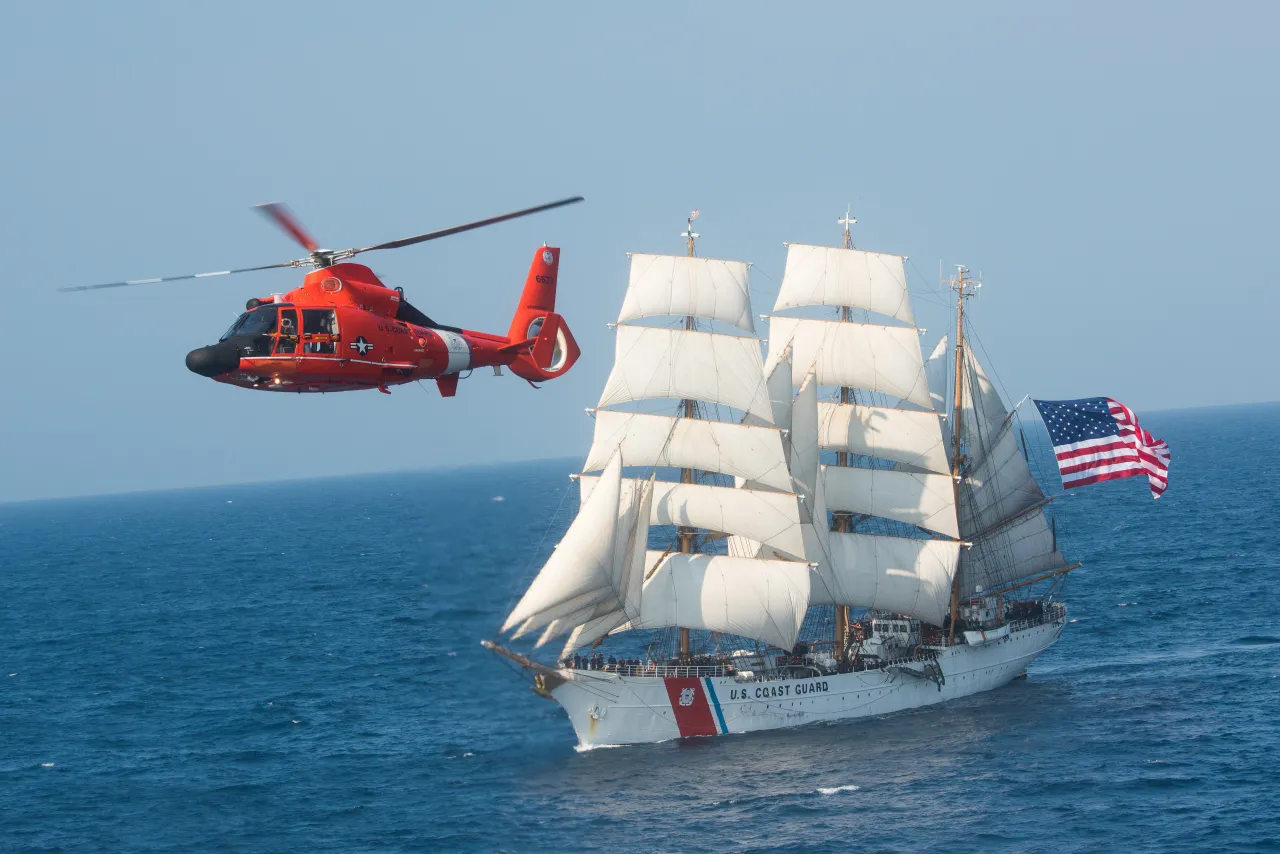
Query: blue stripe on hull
(715, 703)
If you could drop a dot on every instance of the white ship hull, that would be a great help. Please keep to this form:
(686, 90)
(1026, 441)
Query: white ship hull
(612, 709)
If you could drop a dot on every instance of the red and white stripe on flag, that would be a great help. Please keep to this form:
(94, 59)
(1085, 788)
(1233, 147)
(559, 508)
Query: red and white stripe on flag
(1129, 453)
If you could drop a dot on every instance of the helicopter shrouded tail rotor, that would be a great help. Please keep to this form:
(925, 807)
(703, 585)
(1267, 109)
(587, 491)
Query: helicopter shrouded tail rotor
(320, 258)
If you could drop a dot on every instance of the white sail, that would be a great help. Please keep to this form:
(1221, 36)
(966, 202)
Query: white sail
(653, 362)
(906, 576)
(768, 517)
(984, 412)
(998, 487)
(665, 285)
(884, 359)
(935, 370)
(629, 555)
(741, 450)
(927, 500)
(1022, 548)
(804, 438)
(902, 435)
(581, 571)
(780, 390)
(761, 599)
(824, 275)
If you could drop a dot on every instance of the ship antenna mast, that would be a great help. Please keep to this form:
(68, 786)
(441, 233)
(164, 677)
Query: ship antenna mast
(847, 220)
(686, 534)
(965, 287)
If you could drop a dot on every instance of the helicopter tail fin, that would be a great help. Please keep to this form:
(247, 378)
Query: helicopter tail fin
(553, 350)
(539, 296)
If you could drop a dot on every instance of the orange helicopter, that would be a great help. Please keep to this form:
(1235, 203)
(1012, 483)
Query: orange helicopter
(344, 330)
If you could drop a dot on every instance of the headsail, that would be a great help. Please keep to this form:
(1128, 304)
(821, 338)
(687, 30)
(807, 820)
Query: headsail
(587, 569)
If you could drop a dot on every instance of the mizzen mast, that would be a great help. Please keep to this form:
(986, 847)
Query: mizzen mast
(965, 287)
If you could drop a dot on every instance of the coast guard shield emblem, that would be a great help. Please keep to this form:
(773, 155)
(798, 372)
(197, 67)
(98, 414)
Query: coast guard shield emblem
(690, 707)
(547, 257)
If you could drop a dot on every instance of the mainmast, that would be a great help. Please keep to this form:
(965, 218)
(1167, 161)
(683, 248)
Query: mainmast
(686, 534)
(844, 521)
(965, 287)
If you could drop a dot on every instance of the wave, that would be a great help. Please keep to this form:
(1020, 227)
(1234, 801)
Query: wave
(835, 790)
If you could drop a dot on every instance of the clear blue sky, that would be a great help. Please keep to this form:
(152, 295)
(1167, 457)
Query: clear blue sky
(1110, 168)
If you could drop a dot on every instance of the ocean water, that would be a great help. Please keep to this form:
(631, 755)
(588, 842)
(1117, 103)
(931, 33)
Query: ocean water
(295, 667)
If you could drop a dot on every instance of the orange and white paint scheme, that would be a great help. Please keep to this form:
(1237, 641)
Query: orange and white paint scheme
(343, 330)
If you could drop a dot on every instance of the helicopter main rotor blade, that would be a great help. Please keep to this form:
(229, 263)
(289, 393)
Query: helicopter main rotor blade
(177, 278)
(279, 213)
(445, 232)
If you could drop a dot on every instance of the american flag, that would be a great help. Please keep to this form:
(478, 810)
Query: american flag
(1099, 439)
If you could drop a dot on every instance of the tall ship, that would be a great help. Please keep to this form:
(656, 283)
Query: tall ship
(831, 526)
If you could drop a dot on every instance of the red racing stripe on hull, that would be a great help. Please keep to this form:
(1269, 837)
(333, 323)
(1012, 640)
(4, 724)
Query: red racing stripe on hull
(689, 704)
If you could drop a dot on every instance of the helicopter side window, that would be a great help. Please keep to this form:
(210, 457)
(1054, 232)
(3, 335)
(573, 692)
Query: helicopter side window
(288, 340)
(320, 330)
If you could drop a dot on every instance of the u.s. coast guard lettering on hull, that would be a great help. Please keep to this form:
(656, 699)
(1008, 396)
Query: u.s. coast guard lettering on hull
(782, 691)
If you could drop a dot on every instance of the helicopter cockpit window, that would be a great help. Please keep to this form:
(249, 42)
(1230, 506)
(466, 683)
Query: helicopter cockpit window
(235, 327)
(260, 321)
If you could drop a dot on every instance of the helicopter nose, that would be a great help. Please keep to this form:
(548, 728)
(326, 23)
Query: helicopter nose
(213, 361)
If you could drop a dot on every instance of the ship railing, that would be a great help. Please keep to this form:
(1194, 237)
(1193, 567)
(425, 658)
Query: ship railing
(681, 671)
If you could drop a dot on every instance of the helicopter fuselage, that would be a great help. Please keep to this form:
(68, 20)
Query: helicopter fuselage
(343, 330)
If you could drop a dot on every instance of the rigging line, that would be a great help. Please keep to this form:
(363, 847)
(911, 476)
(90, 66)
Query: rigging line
(533, 555)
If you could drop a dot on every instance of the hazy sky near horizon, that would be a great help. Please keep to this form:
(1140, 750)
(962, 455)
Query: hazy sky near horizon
(1110, 168)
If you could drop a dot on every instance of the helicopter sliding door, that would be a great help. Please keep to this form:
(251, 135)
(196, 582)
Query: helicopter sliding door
(320, 331)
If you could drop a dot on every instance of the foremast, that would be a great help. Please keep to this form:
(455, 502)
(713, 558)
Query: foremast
(844, 520)
(602, 579)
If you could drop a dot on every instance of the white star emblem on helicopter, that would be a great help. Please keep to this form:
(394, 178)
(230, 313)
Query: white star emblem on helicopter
(361, 346)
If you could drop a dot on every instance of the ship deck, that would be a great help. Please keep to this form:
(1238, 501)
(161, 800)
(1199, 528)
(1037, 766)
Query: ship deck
(780, 664)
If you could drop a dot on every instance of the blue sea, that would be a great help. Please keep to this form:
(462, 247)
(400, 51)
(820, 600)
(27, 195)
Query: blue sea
(296, 667)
